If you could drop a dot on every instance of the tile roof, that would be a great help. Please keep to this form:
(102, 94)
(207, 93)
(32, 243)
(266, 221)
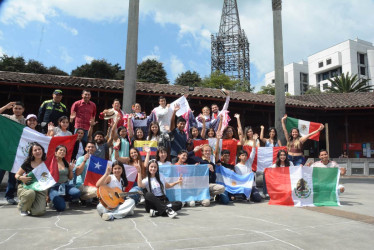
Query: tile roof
(321, 101)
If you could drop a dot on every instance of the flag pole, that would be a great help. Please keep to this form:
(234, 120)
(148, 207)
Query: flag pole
(327, 137)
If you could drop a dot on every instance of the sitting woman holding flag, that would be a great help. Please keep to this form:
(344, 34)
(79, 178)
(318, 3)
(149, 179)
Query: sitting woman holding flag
(63, 189)
(295, 142)
(30, 201)
(115, 177)
(156, 202)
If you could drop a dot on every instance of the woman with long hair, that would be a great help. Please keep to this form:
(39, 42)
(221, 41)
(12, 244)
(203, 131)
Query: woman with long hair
(79, 146)
(62, 190)
(295, 142)
(162, 156)
(282, 160)
(156, 202)
(273, 137)
(30, 201)
(115, 177)
(61, 129)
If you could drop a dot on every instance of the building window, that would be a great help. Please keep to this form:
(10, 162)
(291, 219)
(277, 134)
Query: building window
(303, 88)
(324, 86)
(273, 81)
(328, 61)
(320, 64)
(286, 87)
(329, 74)
(363, 71)
(362, 58)
(303, 77)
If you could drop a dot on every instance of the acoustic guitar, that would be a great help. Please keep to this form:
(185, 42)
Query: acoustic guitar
(110, 198)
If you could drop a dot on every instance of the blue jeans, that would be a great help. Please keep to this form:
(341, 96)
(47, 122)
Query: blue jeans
(12, 183)
(264, 189)
(135, 197)
(224, 198)
(296, 160)
(58, 201)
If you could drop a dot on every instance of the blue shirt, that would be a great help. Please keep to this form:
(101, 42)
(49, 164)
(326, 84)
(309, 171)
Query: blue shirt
(82, 176)
(178, 141)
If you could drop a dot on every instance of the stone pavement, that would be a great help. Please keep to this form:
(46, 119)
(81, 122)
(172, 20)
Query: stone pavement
(241, 225)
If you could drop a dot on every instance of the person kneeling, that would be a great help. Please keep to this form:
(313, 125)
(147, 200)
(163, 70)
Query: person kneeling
(115, 177)
(156, 202)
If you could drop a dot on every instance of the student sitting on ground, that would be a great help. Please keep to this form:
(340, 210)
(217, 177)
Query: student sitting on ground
(115, 177)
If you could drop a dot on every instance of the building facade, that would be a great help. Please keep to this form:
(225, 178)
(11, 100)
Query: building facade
(351, 56)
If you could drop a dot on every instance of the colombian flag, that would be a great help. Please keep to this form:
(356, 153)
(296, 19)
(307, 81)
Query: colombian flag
(151, 144)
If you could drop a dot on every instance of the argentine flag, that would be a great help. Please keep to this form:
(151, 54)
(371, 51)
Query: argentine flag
(195, 185)
(234, 183)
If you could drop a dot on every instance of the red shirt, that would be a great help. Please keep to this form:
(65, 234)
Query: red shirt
(85, 111)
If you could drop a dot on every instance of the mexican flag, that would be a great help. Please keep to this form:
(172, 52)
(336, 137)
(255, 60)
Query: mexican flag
(304, 127)
(262, 157)
(303, 186)
(15, 142)
(41, 178)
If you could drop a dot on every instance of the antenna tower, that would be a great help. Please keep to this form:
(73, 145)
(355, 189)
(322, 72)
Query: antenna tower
(230, 47)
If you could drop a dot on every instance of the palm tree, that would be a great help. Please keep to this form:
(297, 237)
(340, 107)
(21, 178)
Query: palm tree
(347, 83)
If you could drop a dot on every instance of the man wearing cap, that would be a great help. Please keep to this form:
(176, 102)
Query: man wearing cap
(51, 110)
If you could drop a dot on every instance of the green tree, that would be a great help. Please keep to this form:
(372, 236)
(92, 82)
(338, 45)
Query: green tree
(267, 89)
(97, 69)
(347, 83)
(34, 66)
(218, 80)
(56, 71)
(10, 63)
(151, 71)
(312, 91)
(188, 78)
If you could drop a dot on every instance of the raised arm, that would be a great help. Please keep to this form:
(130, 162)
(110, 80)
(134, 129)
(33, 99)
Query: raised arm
(284, 127)
(140, 178)
(79, 169)
(90, 130)
(216, 150)
(226, 105)
(51, 129)
(262, 134)
(203, 130)
(306, 137)
(240, 129)
(130, 129)
(147, 149)
(105, 179)
(8, 106)
(170, 185)
(116, 154)
(172, 121)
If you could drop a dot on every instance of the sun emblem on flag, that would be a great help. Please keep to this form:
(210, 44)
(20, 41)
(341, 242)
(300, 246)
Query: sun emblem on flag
(233, 183)
(302, 189)
(43, 177)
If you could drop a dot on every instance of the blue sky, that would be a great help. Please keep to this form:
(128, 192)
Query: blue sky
(68, 33)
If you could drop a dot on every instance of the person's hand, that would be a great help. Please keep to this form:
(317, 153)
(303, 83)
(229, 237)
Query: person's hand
(72, 165)
(180, 179)
(197, 148)
(117, 143)
(255, 136)
(321, 127)
(93, 122)
(262, 127)
(237, 116)
(211, 168)
(51, 126)
(137, 166)
(105, 111)
(73, 115)
(86, 157)
(284, 117)
(177, 107)
(219, 135)
(10, 105)
(166, 128)
(308, 164)
(108, 170)
(25, 179)
(146, 149)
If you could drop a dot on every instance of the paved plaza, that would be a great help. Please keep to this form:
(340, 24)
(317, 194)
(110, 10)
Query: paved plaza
(240, 225)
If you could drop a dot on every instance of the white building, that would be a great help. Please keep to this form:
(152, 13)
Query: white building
(295, 78)
(353, 56)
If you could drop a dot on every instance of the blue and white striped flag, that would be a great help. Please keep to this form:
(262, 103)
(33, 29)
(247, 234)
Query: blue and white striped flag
(234, 183)
(195, 185)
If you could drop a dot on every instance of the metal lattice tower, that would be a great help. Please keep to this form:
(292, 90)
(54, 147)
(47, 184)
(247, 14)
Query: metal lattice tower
(230, 47)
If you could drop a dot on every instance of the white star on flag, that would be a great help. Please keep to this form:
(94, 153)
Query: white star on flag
(97, 165)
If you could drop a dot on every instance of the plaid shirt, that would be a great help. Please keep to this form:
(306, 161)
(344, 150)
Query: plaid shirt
(85, 111)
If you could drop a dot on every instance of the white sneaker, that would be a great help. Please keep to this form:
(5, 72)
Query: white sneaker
(24, 213)
(152, 213)
(191, 203)
(142, 200)
(107, 217)
(171, 213)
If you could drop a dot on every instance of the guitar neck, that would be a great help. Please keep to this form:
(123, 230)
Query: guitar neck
(124, 194)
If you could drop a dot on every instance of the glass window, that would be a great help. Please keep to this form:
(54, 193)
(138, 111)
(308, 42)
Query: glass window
(328, 61)
(363, 71)
(362, 58)
(286, 87)
(320, 64)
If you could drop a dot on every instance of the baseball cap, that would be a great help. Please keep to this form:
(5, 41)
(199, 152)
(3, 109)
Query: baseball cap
(57, 92)
(31, 116)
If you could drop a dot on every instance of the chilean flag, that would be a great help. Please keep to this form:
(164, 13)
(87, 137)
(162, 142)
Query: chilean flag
(95, 170)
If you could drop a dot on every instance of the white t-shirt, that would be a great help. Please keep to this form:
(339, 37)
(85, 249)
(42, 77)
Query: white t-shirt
(331, 164)
(156, 188)
(275, 165)
(114, 182)
(58, 132)
(163, 117)
(242, 169)
(80, 150)
(166, 163)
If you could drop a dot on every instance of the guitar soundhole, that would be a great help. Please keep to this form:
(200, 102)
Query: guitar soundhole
(116, 194)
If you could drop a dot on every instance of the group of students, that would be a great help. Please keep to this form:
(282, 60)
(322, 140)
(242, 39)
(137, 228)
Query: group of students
(175, 146)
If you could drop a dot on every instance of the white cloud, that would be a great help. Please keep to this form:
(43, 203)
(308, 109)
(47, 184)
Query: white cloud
(65, 55)
(176, 66)
(155, 54)
(73, 31)
(88, 59)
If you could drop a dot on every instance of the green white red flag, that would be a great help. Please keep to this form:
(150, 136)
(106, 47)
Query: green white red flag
(303, 186)
(305, 127)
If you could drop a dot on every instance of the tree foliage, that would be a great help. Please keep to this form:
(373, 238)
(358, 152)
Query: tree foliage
(312, 91)
(188, 78)
(347, 83)
(267, 89)
(18, 64)
(218, 80)
(98, 69)
(151, 71)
